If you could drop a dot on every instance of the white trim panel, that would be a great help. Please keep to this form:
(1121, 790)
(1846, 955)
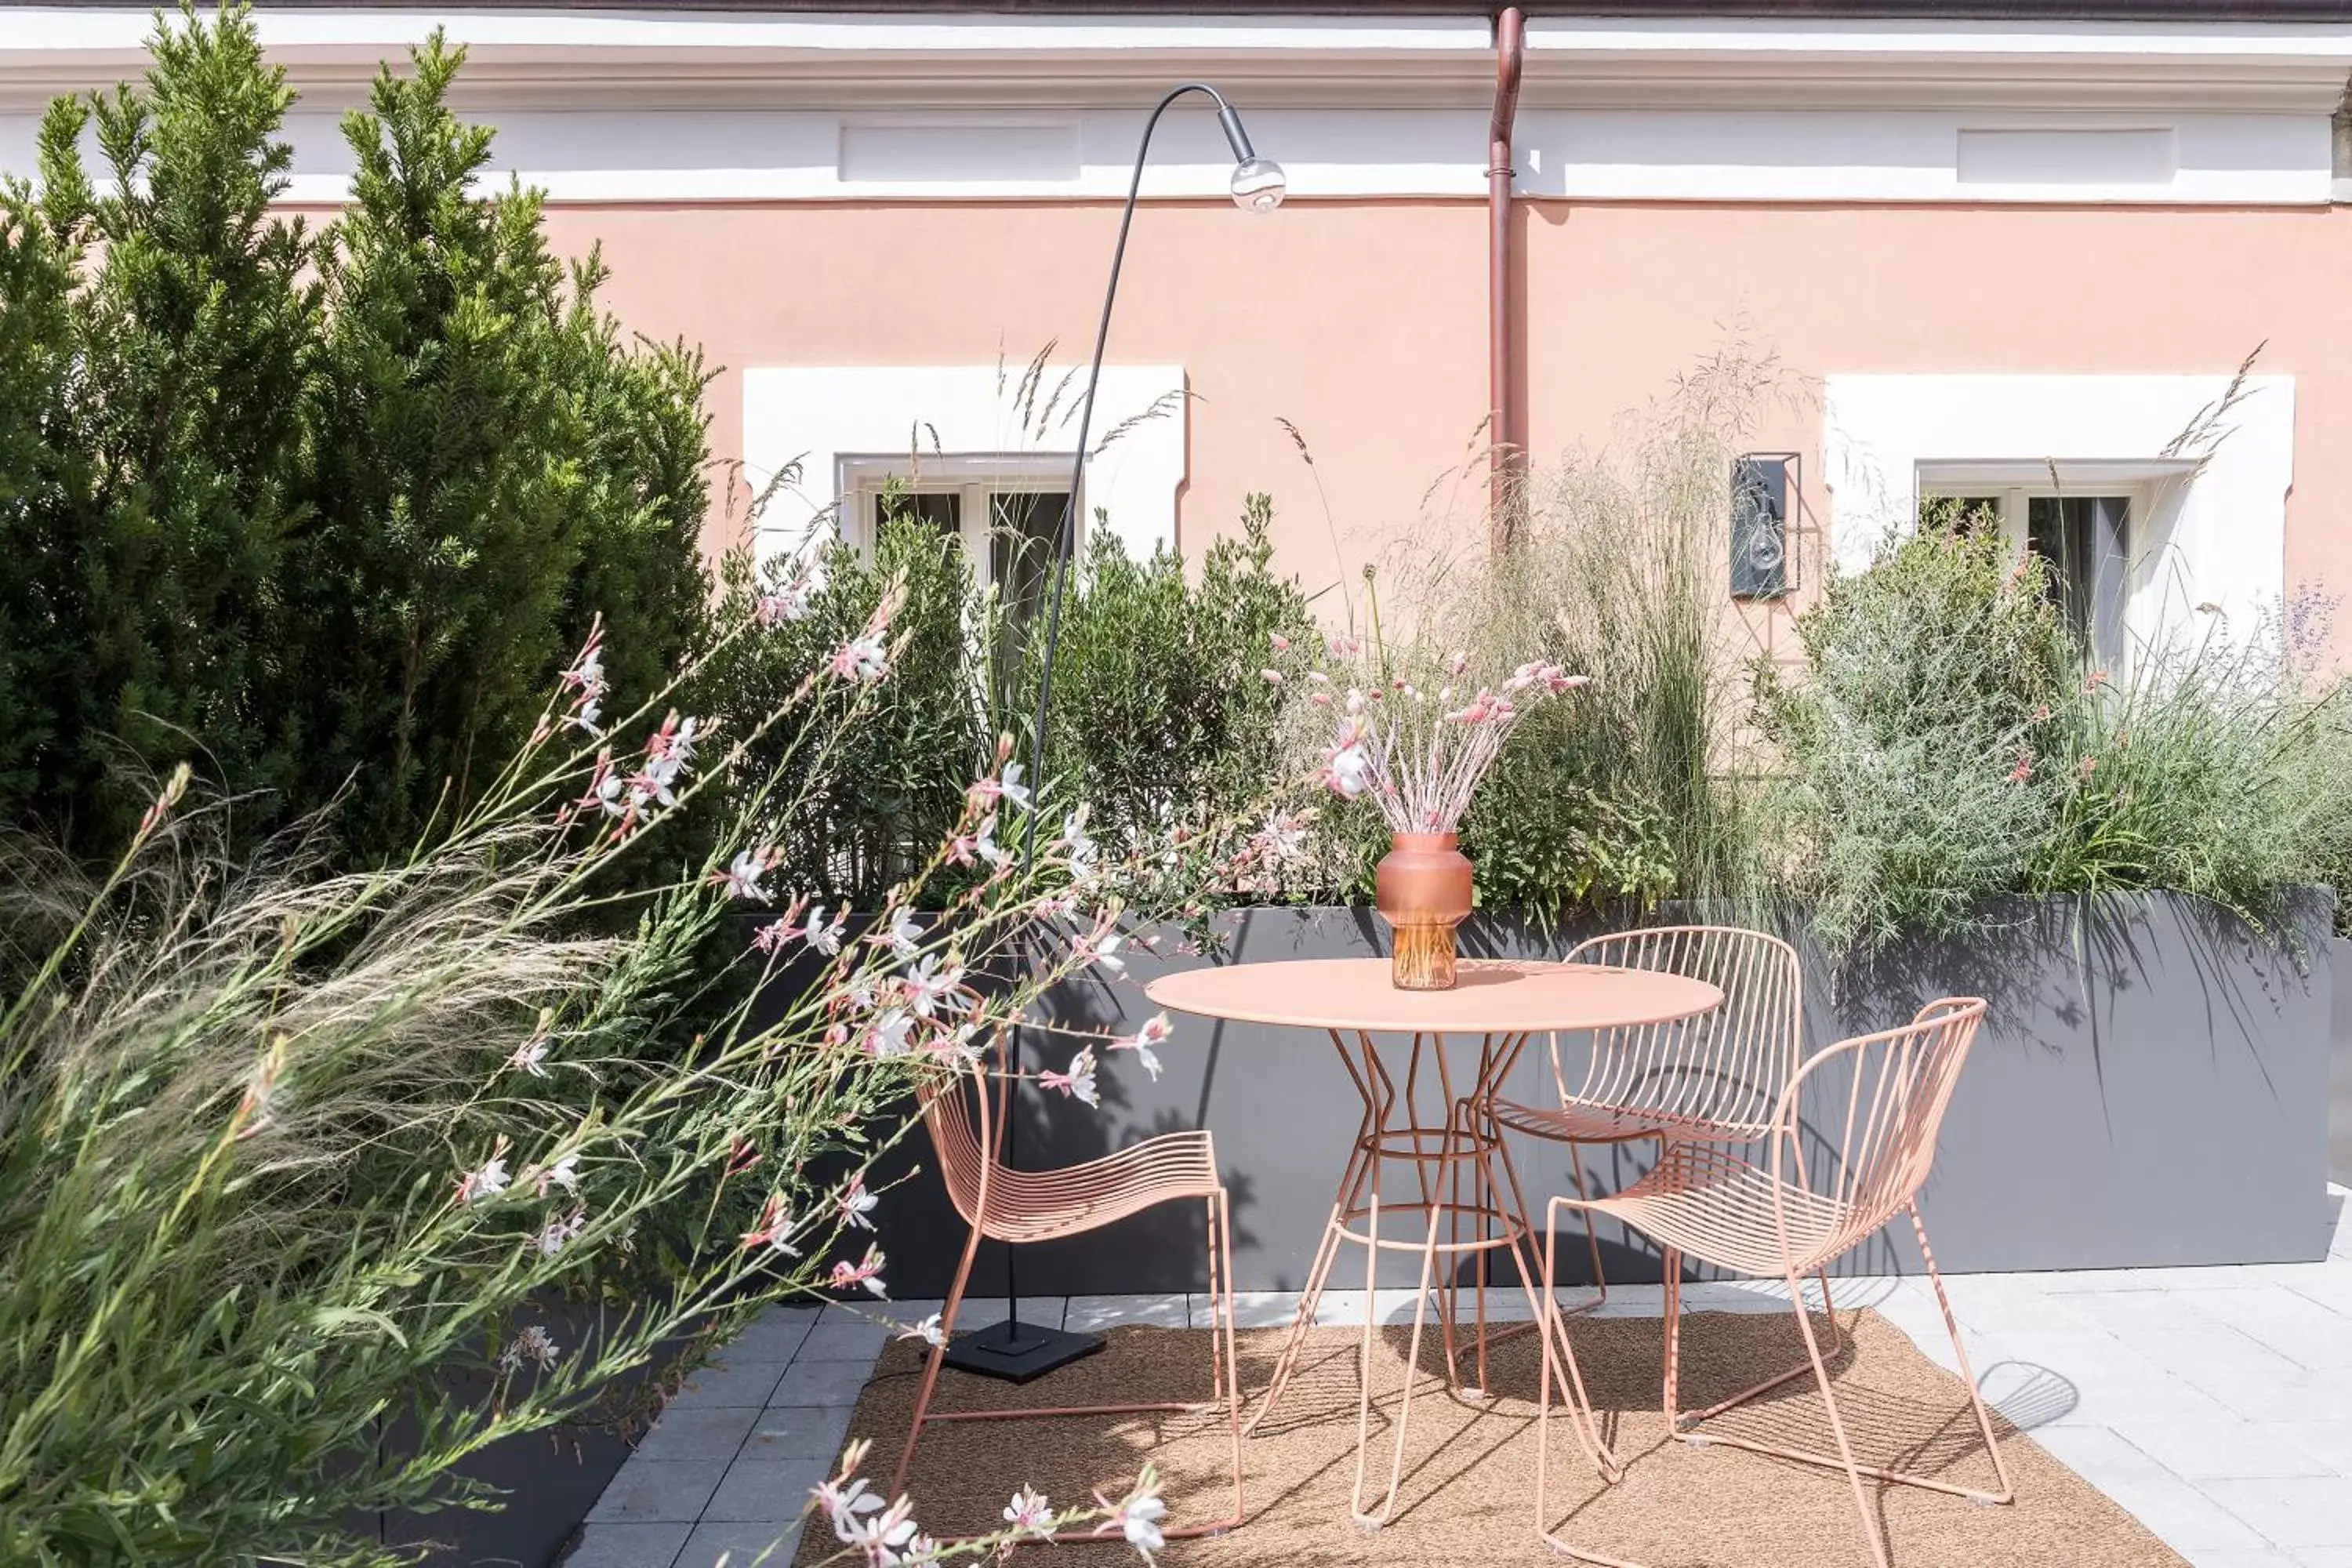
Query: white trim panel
(814, 416)
(1855, 155)
(1891, 155)
(2214, 534)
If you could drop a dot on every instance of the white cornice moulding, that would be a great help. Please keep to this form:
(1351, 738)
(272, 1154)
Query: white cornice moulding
(608, 60)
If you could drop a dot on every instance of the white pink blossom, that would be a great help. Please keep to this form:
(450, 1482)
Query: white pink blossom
(1155, 1031)
(1029, 1513)
(1079, 1080)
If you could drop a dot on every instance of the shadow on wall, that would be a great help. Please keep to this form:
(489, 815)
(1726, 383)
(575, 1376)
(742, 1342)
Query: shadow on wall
(2151, 1087)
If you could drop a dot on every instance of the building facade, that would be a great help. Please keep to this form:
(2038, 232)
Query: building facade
(2017, 253)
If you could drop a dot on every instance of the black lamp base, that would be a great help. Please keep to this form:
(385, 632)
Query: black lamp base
(1017, 1352)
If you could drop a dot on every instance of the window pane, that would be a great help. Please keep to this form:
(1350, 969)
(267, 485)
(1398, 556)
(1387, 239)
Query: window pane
(2084, 539)
(1023, 526)
(943, 510)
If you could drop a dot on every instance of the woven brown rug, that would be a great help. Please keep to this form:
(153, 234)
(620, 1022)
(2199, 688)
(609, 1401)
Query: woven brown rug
(1468, 1490)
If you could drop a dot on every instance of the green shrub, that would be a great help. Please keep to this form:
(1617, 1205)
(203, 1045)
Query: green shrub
(1160, 713)
(1916, 737)
(881, 797)
(292, 1160)
(321, 508)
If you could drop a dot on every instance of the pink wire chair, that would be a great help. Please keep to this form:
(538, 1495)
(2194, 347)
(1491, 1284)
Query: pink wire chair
(1715, 1078)
(1020, 1207)
(1709, 1203)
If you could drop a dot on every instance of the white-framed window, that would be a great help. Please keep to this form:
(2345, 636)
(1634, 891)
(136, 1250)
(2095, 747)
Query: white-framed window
(2092, 523)
(1005, 508)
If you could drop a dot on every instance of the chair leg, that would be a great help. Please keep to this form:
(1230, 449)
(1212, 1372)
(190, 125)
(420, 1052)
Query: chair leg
(2008, 1492)
(1836, 1341)
(1837, 1426)
(1221, 1296)
(1670, 1273)
(1591, 1230)
(932, 1363)
(1552, 1324)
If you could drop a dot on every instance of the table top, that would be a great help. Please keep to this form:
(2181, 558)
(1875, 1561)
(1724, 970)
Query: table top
(1493, 997)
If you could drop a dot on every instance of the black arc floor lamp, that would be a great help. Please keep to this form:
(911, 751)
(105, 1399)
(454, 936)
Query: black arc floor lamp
(1012, 1349)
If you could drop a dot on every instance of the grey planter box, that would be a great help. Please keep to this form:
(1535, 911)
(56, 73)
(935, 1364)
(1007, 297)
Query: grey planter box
(2151, 1087)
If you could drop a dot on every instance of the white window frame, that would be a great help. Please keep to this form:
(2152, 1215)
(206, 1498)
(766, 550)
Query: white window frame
(976, 478)
(2208, 539)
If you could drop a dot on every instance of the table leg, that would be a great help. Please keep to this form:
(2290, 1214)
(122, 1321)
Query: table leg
(1376, 1103)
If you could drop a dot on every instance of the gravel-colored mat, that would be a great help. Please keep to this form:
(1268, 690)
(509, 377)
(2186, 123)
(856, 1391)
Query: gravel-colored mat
(1468, 1492)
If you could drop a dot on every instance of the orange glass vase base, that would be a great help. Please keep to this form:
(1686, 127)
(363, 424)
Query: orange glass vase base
(1422, 887)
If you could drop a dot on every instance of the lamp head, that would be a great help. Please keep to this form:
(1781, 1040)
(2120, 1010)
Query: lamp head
(1259, 184)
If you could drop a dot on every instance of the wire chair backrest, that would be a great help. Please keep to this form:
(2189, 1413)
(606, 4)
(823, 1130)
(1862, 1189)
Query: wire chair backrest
(1726, 1067)
(965, 1131)
(1899, 1083)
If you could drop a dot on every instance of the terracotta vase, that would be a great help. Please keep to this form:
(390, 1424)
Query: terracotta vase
(1422, 888)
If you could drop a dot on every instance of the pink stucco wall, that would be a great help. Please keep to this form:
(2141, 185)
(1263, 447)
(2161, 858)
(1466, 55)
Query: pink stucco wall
(1363, 322)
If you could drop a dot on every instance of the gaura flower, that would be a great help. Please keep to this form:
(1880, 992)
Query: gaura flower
(904, 937)
(533, 1344)
(775, 1227)
(561, 1231)
(825, 938)
(886, 1036)
(530, 1056)
(928, 1331)
(1029, 1513)
(862, 659)
(564, 1174)
(867, 1271)
(1078, 1083)
(1155, 1031)
(844, 1501)
(486, 1181)
(858, 1203)
(1137, 1516)
(932, 984)
(741, 878)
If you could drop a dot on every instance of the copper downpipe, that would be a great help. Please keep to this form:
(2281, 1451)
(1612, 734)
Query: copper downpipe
(1510, 34)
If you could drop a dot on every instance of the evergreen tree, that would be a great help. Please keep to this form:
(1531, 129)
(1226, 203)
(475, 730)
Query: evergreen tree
(323, 511)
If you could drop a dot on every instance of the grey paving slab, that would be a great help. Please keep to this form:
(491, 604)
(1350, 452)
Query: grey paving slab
(775, 1334)
(730, 1379)
(2224, 1450)
(698, 1432)
(2328, 1436)
(799, 1432)
(2178, 1514)
(668, 1492)
(822, 1383)
(769, 1544)
(614, 1544)
(845, 1338)
(763, 1488)
(2293, 1513)
(2284, 1321)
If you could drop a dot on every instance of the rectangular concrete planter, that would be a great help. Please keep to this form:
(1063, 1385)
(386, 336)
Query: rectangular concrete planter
(2151, 1087)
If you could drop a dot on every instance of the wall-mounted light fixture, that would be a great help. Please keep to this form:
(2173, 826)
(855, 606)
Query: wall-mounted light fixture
(1765, 488)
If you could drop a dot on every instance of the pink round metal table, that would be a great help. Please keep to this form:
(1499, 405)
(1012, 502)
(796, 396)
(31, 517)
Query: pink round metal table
(1502, 1004)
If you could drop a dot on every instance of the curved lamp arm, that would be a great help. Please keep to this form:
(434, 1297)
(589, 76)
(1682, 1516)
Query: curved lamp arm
(1261, 196)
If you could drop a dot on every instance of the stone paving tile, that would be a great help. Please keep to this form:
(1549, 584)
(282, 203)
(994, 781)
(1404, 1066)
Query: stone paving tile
(729, 1380)
(798, 1432)
(2328, 1436)
(670, 1491)
(844, 1339)
(2178, 1514)
(758, 1487)
(2282, 1319)
(775, 1334)
(2291, 1512)
(2225, 1450)
(698, 1432)
(615, 1545)
(822, 1383)
(743, 1544)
